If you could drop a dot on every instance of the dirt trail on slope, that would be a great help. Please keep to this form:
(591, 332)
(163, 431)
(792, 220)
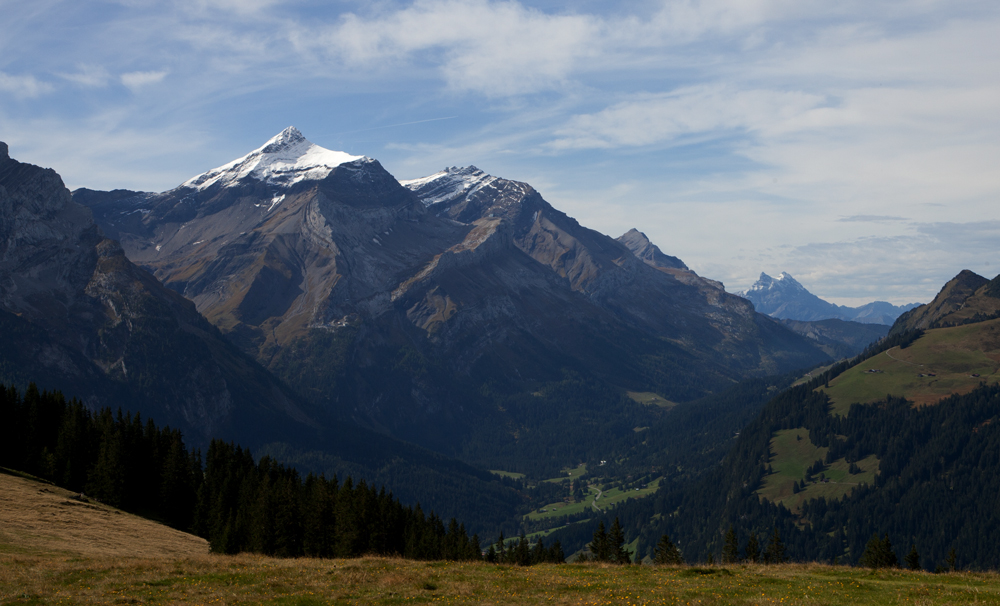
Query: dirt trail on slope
(40, 518)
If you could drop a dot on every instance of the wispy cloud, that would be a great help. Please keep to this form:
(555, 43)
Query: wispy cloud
(871, 219)
(24, 86)
(91, 76)
(138, 80)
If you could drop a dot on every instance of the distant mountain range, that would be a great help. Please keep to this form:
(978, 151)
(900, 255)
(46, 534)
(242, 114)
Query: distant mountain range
(435, 310)
(784, 298)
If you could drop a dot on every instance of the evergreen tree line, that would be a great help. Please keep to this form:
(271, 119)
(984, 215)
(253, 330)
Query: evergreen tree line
(231, 500)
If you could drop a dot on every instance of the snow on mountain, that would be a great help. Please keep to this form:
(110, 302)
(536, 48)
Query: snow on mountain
(449, 184)
(285, 159)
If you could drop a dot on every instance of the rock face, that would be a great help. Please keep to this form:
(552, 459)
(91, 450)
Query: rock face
(401, 305)
(79, 316)
(784, 298)
(649, 253)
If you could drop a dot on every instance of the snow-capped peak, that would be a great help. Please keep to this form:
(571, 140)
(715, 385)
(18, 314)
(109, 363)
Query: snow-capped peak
(449, 184)
(783, 282)
(286, 158)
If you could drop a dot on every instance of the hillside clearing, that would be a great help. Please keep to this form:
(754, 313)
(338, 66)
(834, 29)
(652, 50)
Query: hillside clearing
(792, 452)
(942, 362)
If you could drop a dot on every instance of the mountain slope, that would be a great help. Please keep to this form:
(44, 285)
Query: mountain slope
(452, 311)
(839, 338)
(86, 320)
(784, 298)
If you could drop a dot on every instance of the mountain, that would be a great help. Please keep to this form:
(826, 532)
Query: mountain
(966, 298)
(78, 316)
(784, 298)
(459, 311)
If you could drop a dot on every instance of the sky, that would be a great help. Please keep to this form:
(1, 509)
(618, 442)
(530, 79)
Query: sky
(852, 144)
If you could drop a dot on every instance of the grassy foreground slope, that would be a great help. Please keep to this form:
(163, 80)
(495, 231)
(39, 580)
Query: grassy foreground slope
(48, 556)
(247, 579)
(41, 518)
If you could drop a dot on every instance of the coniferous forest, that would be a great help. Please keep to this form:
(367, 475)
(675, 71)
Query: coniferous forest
(236, 503)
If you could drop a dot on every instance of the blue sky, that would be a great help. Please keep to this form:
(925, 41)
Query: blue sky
(855, 145)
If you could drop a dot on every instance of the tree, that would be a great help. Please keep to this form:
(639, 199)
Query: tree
(878, 553)
(752, 552)
(775, 551)
(731, 550)
(666, 553)
(913, 558)
(952, 559)
(599, 545)
(617, 552)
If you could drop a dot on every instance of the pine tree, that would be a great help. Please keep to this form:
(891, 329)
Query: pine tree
(878, 553)
(666, 553)
(522, 555)
(752, 551)
(775, 551)
(731, 550)
(617, 553)
(599, 545)
(952, 559)
(913, 558)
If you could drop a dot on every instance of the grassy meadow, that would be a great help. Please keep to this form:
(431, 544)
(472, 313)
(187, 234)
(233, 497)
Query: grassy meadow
(247, 579)
(792, 452)
(942, 362)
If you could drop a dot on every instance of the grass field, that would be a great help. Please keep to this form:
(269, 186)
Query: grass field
(948, 359)
(608, 498)
(507, 474)
(569, 473)
(651, 399)
(246, 579)
(792, 452)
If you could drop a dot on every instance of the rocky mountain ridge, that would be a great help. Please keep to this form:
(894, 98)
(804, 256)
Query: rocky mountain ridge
(965, 299)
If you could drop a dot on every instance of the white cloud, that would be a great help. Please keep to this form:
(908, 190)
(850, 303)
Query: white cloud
(91, 76)
(24, 86)
(712, 110)
(137, 80)
(494, 48)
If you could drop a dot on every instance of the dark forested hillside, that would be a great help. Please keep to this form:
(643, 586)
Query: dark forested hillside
(936, 482)
(235, 502)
